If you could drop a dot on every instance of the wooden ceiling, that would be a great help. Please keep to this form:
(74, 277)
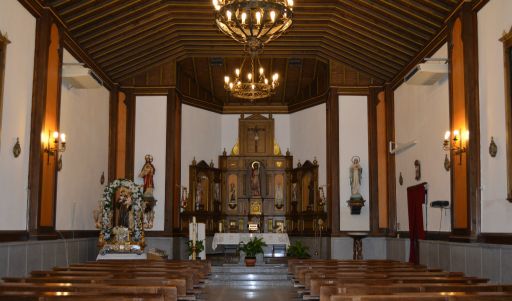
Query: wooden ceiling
(377, 38)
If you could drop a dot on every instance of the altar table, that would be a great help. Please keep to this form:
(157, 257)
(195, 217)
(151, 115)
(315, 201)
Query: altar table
(236, 238)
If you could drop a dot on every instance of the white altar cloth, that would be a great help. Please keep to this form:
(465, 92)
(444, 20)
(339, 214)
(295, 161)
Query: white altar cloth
(236, 238)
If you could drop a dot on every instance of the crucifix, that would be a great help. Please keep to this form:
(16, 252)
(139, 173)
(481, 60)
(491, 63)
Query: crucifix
(256, 130)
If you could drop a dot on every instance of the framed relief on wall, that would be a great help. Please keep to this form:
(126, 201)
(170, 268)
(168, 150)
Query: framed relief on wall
(3, 49)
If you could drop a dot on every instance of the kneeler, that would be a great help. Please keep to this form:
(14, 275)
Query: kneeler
(415, 200)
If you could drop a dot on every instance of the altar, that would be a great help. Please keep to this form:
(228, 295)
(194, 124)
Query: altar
(235, 238)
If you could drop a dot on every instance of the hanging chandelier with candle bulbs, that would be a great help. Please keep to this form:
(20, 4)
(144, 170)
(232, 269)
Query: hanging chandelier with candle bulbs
(253, 22)
(249, 81)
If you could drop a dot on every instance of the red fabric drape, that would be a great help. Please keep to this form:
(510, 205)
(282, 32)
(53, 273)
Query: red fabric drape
(415, 199)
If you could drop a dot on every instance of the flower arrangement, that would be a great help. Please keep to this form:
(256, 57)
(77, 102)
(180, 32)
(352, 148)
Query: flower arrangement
(107, 212)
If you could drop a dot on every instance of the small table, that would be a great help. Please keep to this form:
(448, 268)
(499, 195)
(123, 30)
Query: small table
(357, 248)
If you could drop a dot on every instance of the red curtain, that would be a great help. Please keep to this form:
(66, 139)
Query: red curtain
(415, 200)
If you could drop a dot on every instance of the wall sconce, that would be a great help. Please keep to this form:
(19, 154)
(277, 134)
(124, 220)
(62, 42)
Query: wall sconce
(456, 142)
(54, 145)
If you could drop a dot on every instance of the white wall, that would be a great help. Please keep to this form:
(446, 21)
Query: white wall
(84, 118)
(200, 138)
(422, 114)
(19, 25)
(353, 140)
(493, 20)
(150, 138)
(308, 138)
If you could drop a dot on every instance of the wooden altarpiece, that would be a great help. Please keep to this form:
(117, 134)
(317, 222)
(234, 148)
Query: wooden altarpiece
(258, 186)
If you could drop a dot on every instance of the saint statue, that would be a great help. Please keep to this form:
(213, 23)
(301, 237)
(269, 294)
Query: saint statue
(311, 192)
(356, 173)
(123, 207)
(199, 195)
(279, 202)
(147, 172)
(255, 179)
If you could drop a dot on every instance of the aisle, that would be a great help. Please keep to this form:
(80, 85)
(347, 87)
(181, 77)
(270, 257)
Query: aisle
(263, 282)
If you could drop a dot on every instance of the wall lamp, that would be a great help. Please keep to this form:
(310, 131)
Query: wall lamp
(456, 142)
(54, 144)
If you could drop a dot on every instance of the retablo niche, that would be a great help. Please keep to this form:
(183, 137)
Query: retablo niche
(356, 201)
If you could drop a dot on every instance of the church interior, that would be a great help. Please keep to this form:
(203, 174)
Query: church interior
(352, 149)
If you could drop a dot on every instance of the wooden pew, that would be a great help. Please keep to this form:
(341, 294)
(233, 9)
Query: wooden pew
(169, 293)
(328, 290)
(448, 296)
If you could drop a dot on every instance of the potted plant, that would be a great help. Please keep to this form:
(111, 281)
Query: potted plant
(298, 250)
(199, 248)
(251, 249)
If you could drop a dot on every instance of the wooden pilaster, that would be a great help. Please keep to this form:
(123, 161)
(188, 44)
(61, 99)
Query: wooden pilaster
(464, 106)
(173, 161)
(333, 161)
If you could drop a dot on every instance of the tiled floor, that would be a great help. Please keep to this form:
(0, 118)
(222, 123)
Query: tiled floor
(226, 293)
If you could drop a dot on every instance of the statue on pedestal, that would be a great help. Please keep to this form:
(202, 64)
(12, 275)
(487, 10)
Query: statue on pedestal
(147, 172)
(356, 199)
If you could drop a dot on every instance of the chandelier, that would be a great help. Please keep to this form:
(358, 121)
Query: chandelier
(253, 22)
(254, 86)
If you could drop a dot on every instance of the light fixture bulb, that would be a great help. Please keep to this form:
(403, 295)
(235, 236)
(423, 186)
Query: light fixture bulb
(456, 134)
(55, 135)
(261, 70)
(63, 138)
(258, 17)
(266, 81)
(249, 76)
(237, 72)
(273, 16)
(231, 85)
(244, 16)
(253, 86)
(228, 15)
(447, 135)
(290, 2)
(465, 135)
(226, 79)
(216, 4)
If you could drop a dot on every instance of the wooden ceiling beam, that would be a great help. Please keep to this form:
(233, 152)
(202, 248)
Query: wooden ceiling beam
(398, 17)
(438, 5)
(345, 44)
(382, 22)
(94, 35)
(79, 23)
(405, 11)
(427, 11)
(92, 11)
(76, 5)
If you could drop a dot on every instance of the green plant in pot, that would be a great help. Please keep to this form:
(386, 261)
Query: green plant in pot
(298, 250)
(251, 249)
(199, 247)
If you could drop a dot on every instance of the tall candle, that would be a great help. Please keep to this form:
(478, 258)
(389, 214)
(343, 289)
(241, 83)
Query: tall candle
(220, 227)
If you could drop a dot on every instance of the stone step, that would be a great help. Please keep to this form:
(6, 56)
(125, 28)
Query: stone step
(251, 283)
(267, 268)
(248, 276)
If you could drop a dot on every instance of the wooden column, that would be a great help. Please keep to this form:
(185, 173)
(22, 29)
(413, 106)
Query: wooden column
(391, 171)
(464, 115)
(112, 134)
(173, 162)
(333, 161)
(373, 172)
(45, 119)
(130, 136)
